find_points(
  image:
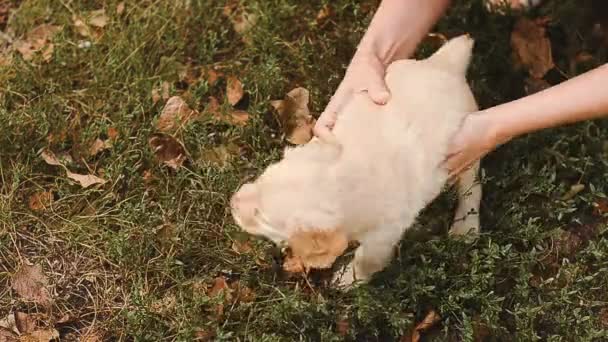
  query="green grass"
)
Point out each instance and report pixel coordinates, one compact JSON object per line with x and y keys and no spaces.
{"x":114,"y":252}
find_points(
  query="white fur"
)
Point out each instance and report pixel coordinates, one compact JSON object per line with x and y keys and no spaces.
{"x":387,"y":169}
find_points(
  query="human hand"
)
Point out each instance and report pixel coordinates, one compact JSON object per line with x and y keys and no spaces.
{"x":476,"y":138}
{"x":365,"y":73}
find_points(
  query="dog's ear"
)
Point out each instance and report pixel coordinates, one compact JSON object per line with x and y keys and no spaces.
{"x":318,"y":248}
{"x":246,"y":201}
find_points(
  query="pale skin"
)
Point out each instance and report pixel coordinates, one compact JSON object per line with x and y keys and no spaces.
{"x":578,"y":99}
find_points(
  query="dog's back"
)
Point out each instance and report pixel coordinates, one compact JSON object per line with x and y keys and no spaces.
{"x":396,"y":149}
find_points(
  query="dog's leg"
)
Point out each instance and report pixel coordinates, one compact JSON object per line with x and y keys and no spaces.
{"x":371,"y":256}
{"x":469,"y":196}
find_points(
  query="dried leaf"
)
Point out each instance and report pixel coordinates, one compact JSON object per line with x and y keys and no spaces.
{"x":343,"y":327}
{"x":85,"y":180}
{"x":211,"y":76}
{"x":120,"y":8}
{"x":234,"y":90}
{"x":155,"y":95}
{"x":604,"y":317}
{"x":574,"y":190}
{"x":24,"y":322}
{"x":168,"y":150}
{"x":244,"y":293}
{"x":40,"y":200}
{"x":38,"y":39}
{"x":239,"y":117}
{"x":531,"y":47}
{"x":45,"y":335}
{"x":91,"y":335}
{"x":600,"y":207}
{"x":30,"y":283}
{"x":241,"y":20}
{"x":241,"y":247}
{"x":8,"y":324}
{"x":112,"y":133}
{"x":219,"y":286}
{"x":50,"y":158}
{"x":429,"y":321}
{"x":7,"y":336}
{"x":164,"y":305}
{"x":295,"y":117}
{"x":324,"y":13}
{"x":98,"y":18}
{"x":99,"y":145}
{"x":204,"y":335}
{"x":175,"y":114}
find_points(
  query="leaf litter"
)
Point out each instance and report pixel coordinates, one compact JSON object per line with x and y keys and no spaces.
{"x":84,"y":180}
{"x":531,"y":47}
{"x":31,"y":283}
{"x":37,"y":40}
{"x":294,"y":116}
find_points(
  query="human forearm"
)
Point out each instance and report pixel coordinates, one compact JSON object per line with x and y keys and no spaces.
{"x":399,"y":25}
{"x":581,"y":98}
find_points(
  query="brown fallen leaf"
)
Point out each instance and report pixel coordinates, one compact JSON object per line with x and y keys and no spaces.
{"x":112,"y":133}
{"x":241,"y":247}
{"x":44,"y":335}
{"x":343,"y":327}
{"x":429,"y":321}
{"x":600,"y":207}
{"x":235,"y":117}
{"x":211,"y":76}
{"x":168,"y":150}
{"x":98,"y":18}
{"x":164,"y":305}
{"x":40,"y":200}
{"x":91,"y":335}
{"x":24,"y":322}
{"x":50,"y":158}
{"x":324,"y":13}
{"x":242,"y":21}
{"x":295,"y":117}
{"x":89,"y":24}
{"x":120,"y":8}
{"x":31,"y":284}
{"x":244,"y":293}
{"x":234,"y":90}
{"x":85,"y":180}
{"x":203,"y":335}
{"x":8,"y":336}
{"x":220,"y":285}
{"x":37,"y":40}
{"x":99,"y":145}
{"x":574,"y":190}
{"x":531,"y":47}
{"x":175,"y":114}
{"x":604,"y":316}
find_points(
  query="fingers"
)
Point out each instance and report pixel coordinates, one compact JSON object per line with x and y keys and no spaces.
{"x":378,"y":92}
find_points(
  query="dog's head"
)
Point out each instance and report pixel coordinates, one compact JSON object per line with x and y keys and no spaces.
{"x":290,"y":203}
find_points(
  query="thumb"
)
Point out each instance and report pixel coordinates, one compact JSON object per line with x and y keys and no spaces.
{"x":378,"y":91}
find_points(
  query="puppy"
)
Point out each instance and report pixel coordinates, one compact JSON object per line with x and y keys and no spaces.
{"x":369,"y":180}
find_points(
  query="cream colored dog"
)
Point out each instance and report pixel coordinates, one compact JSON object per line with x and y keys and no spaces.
{"x":369,"y":180}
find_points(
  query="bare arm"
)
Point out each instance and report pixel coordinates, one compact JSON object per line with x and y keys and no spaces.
{"x":581,"y":98}
{"x":584,"y":97}
{"x":396,"y":29}
{"x":399,"y":25}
